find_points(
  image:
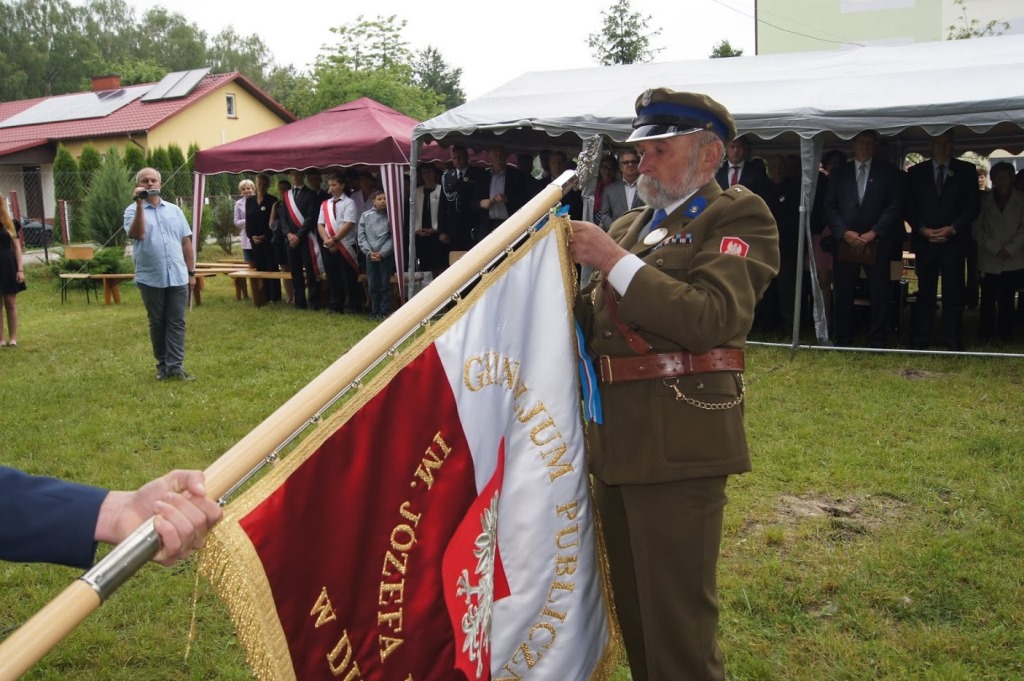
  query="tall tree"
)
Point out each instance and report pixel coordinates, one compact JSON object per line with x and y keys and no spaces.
{"x":180,"y":43}
{"x":103,"y":207}
{"x":67,"y":185}
{"x":46,"y":52}
{"x":724,"y":49}
{"x":372,"y":59}
{"x":67,"y":180}
{"x":431,"y":72}
{"x":292,"y":89}
{"x":370,"y":45}
{"x":161,"y":161}
{"x":88,"y":163}
{"x":624,"y":38}
{"x":967,"y":27}
{"x":134,"y":159}
{"x":248,"y":55}
{"x":336,"y":85}
{"x":180,"y":178}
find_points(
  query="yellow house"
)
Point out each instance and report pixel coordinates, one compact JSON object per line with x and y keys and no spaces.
{"x":185,"y":108}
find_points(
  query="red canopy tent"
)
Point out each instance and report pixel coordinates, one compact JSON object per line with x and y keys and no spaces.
{"x":361,"y":132}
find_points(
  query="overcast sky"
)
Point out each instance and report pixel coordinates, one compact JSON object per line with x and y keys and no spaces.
{"x":493,"y":42}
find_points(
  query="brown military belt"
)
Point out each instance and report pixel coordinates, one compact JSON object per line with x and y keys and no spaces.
{"x":667,"y":365}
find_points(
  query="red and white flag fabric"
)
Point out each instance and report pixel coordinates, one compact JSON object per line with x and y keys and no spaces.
{"x":440,"y":525}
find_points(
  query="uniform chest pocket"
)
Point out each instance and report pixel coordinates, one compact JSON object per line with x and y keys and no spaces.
{"x":671,"y":258}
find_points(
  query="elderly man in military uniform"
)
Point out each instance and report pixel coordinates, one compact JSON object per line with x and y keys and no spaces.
{"x":666,"y":319}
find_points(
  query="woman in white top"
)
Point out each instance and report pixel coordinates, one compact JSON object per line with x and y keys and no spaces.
{"x":246,"y":188}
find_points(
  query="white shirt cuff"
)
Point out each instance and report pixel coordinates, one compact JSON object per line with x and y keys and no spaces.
{"x":623,"y":272}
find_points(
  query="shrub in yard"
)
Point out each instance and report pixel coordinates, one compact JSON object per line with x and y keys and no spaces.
{"x":106,"y":199}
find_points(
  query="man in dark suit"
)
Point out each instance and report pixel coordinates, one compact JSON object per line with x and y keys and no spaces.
{"x":499,"y":194}
{"x":456,"y":216}
{"x":298,"y":216}
{"x":668,"y":316}
{"x":942,"y":201}
{"x":740,"y":169}
{"x":53,"y":521}
{"x":621,"y":196}
{"x":863,"y":205}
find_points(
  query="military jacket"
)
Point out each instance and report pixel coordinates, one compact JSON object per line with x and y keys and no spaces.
{"x":697,"y":292}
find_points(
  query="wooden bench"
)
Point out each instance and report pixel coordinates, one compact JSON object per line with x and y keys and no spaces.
{"x":77,"y":253}
{"x":112,"y":285}
{"x":256,"y":279}
{"x":83,"y":277}
{"x":241,"y":288}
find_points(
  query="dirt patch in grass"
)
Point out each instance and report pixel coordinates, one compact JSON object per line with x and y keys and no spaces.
{"x":844,"y":518}
{"x":918,"y":374}
{"x":848,"y":517}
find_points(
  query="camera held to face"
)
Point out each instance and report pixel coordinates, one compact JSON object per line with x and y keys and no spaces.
{"x":146,"y":193}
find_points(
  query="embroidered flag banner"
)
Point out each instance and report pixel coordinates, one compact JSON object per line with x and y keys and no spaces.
{"x":439,"y":526}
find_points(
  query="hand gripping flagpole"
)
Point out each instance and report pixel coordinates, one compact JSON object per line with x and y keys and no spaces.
{"x":59,"y":617}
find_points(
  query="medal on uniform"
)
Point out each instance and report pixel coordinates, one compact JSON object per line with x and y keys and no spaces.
{"x":655,"y":235}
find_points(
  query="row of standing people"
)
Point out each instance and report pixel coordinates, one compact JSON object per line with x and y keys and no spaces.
{"x":867,"y":212}
{"x":457,"y":210}
{"x":313,"y":233}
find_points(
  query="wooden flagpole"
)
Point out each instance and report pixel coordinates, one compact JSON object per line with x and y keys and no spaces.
{"x":59,"y":617}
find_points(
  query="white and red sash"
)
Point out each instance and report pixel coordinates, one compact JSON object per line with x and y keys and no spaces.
{"x":330,"y":219}
{"x":331,"y":226}
{"x":293,"y":210}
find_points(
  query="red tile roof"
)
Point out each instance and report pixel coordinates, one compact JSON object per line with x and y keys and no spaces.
{"x":137,"y":116}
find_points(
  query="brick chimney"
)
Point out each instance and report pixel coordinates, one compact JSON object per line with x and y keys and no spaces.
{"x":104,"y":83}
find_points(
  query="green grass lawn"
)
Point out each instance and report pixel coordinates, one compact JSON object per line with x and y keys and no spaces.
{"x":879,"y":535}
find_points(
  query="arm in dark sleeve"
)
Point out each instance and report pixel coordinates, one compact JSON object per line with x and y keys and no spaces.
{"x":971,"y":205}
{"x":893,"y":211}
{"x":832,"y":212}
{"x":47,"y":520}
{"x":310,"y":212}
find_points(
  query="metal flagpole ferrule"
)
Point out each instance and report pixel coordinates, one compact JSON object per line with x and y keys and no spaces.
{"x":123,"y":561}
{"x":566,"y":181}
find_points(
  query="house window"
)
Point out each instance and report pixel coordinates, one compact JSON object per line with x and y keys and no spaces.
{"x":232,"y":112}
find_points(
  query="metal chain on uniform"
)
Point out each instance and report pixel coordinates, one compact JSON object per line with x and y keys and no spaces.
{"x":700,"y":404}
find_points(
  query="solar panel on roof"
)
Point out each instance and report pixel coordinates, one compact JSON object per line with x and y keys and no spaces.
{"x":175,"y":85}
{"x":76,"y":107}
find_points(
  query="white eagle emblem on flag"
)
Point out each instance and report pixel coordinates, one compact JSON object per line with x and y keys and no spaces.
{"x":476,"y":622}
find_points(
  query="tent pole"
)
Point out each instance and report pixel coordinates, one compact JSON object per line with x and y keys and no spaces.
{"x":414,"y":156}
{"x":810,"y":152}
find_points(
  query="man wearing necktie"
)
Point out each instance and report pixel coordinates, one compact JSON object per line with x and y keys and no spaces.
{"x":456,"y":213}
{"x":862,"y":206}
{"x":298,"y":216}
{"x":666,"y":317}
{"x":336,"y":225}
{"x":739,"y":168}
{"x":942,"y":201}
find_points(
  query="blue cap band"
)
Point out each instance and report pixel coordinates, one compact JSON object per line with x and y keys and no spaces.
{"x":667,"y":113}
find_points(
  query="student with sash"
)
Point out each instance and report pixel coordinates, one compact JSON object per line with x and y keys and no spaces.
{"x":298,"y":218}
{"x":337,"y":227}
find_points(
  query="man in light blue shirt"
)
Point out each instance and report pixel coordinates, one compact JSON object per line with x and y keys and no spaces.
{"x":164,"y":270}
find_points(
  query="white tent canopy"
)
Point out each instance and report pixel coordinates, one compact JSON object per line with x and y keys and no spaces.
{"x":802,"y":100}
{"x":912,"y":90}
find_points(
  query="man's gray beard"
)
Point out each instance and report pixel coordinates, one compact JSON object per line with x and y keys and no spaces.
{"x":660,"y":195}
